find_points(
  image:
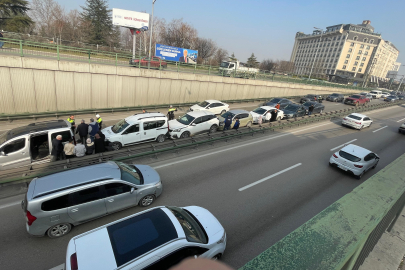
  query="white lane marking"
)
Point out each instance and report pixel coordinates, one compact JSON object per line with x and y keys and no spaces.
{"x":401,"y":120}
{"x":239,"y":146}
{"x":59,"y":267}
{"x":269,"y":177}
{"x":9,"y":205}
{"x":379,"y":129}
{"x":337,"y":147}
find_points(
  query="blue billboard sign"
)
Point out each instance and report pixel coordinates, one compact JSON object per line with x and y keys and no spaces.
{"x":176,"y":54}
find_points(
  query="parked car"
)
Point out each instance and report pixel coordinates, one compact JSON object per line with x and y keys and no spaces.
{"x":376,"y":93}
{"x":282,"y":101}
{"x":367,"y":95}
{"x":357,"y":121}
{"x":263,"y":110}
{"x":56,"y":202}
{"x":135,"y":129}
{"x":193,"y":123}
{"x":213,"y":106}
{"x":391,"y":98}
{"x":335,"y":97}
{"x":401,"y":97}
{"x":294,"y":110}
{"x":354,"y":159}
{"x":356,"y":100}
{"x":401,"y":129}
{"x":385,"y":94}
{"x":245,"y":118}
{"x":308,"y":98}
{"x":318,"y":108}
{"x":31,"y":144}
{"x":158,"y":238}
{"x":154,"y":62}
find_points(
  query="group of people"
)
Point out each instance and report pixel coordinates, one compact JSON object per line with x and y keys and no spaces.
{"x":228,"y":123}
{"x":92,"y":140}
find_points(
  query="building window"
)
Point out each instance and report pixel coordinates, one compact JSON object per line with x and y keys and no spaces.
{"x":355,"y":38}
{"x":333,"y":55}
{"x":328,"y":44}
{"x":358,"y":58}
{"x":356,"y":63}
{"x":334,"y":38}
{"x":368,"y":48}
{"x":354,"y":69}
{"x":372,"y":41}
{"x":346,"y":61}
{"x":360,"y":51}
{"x":364,"y":59}
{"x":341,"y":44}
{"x":362,"y":46}
{"x":366,"y":53}
{"x":362,"y":64}
{"x":348,"y":56}
{"x":344,"y":67}
{"x":350,"y":50}
{"x":352,"y":44}
{"x":359,"y":69}
{"x":365,"y":40}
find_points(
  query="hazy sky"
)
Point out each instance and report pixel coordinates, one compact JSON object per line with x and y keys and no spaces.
{"x":267,"y":28}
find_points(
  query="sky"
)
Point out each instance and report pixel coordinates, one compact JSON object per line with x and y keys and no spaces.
{"x":267,"y":28}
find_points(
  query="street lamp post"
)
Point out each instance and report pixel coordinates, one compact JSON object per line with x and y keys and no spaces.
{"x":316,"y":53}
{"x":151,"y":29}
{"x":400,"y":82}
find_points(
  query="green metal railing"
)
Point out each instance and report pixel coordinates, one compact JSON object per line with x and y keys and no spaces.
{"x":342,"y":235}
{"x":29,"y":48}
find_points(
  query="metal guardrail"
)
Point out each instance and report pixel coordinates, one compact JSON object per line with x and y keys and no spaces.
{"x":344,"y":234}
{"x":29,"y":48}
{"x":36,"y":170}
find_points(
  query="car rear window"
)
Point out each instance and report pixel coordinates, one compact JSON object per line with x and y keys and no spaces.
{"x":348,"y":156}
{"x":138,"y":235}
{"x":355,"y":117}
{"x":355,"y":96}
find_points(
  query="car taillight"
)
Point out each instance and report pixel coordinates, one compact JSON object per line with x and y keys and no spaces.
{"x":358,"y":123}
{"x":30,"y":218}
{"x":73,"y":262}
{"x":335,"y":156}
{"x":345,"y":118}
{"x":358,"y":166}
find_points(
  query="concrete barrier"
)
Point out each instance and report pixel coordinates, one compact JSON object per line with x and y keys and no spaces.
{"x":32,"y":85}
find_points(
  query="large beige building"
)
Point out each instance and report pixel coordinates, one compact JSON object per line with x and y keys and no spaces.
{"x":349,"y":50}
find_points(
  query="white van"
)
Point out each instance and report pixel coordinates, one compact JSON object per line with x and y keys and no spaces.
{"x":376,"y":93}
{"x":138,"y":128}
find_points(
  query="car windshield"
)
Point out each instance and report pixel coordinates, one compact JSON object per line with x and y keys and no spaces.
{"x":224,"y":65}
{"x":348,"y":156}
{"x":355,"y":96}
{"x":130,"y":173}
{"x":334,"y":95}
{"x":308,"y":103}
{"x":186,"y":119}
{"x":3,"y":137}
{"x":192,"y":228}
{"x":355,"y":117}
{"x":292,"y":107}
{"x":203,"y":104}
{"x":275,"y":100}
{"x":120,"y":126}
{"x":225,"y":115}
{"x":259,"y":111}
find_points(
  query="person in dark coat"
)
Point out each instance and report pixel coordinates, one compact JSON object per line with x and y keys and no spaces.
{"x":93,"y":129}
{"x":57,"y":148}
{"x":273,"y":115}
{"x":237,"y":124}
{"x":99,"y":144}
{"x":228,"y":123}
{"x":310,"y":109}
{"x":90,"y":147}
{"x":83,"y":131}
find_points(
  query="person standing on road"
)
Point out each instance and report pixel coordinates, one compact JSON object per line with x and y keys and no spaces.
{"x":237,"y":124}
{"x":57,"y":148}
{"x":228,"y":122}
{"x":268,"y":116}
{"x":69,"y":149}
{"x":71,"y":120}
{"x":80,"y":149}
{"x":273,"y":115}
{"x":99,"y":121}
{"x":1,"y":40}
{"x":310,"y":109}
{"x":171,"y":111}
{"x":99,"y":144}
{"x":83,"y":130}
{"x":93,"y":129}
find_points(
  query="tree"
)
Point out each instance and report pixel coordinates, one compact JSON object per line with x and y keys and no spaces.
{"x":206,"y":48}
{"x":233,"y":58}
{"x":267,"y":64}
{"x":14,"y":12}
{"x":252,"y":61}
{"x":220,"y":56}
{"x":97,"y":13}
{"x":178,"y":34}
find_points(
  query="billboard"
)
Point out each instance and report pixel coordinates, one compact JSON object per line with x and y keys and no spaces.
{"x":130,"y":19}
{"x":176,"y":54}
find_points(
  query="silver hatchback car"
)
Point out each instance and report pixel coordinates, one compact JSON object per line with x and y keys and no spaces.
{"x":55,"y":203}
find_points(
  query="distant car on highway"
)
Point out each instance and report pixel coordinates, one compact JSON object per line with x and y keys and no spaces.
{"x":385,"y":94}
{"x":157,"y":238}
{"x":193,"y":123}
{"x":401,"y":97}
{"x":245,"y":118}
{"x":401,"y":129}
{"x":154,"y":62}
{"x":309,"y":97}
{"x":263,"y":111}
{"x":55,"y":203}
{"x":213,"y":106}
{"x":357,"y":121}
{"x":282,"y":101}
{"x":335,"y":97}
{"x":376,"y":93}
{"x":355,"y":160}
{"x":391,"y":98}
{"x":356,"y":100}
{"x":294,"y":110}
{"x":318,"y":108}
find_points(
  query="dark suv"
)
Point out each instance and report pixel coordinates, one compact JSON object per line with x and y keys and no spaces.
{"x":335,"y":97}
{"x":273,"y":102}
{"x":294,"y":110}
{"x":309,"y":98}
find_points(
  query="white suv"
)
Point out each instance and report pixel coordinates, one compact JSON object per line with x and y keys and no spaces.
{"x":158,"y":238}
{"x":138,"y":128}
{"x":193,"y":123}
{"x":214,"y":106}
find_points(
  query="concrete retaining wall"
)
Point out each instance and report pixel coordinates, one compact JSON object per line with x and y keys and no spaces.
{"x":30,"y":85}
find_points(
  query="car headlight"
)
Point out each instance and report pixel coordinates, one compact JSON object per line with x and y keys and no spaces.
{"x":222,"y":239}
{"x":176,"y":130}
{"x":158,"y":185}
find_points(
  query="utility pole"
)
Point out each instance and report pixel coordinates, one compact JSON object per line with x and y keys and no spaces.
{"x":151,"y":29}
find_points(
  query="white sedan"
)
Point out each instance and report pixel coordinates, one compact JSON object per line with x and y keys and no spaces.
{"x":357,"y":121}
{"x":213,"y":106}
{"x":354,"y":159}
{"x":265,"y":112}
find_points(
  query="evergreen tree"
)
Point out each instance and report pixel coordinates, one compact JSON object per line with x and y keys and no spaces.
{"x":99,"y":15}
{"x":233,"y":58}
{"x":14,"y":13}
{"x":252,"y":61}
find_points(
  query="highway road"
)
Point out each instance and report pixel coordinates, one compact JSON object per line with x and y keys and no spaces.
{"x":260,"y":189}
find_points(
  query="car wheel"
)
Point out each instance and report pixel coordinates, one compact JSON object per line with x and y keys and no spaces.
{"x":185,"y":134}
{"x":116,"y":146}
{"x":59,"y":230}
{"x":222,"y":112}
{"x":249,"y":124}
{"x":147,"y":200}
{"x":213,"y":128}
{"x":358,"y":177}
{"x":161,"y":138}
{"x":375,"y":165}
{"x":217,"y":257}
{"x":361,"y":128}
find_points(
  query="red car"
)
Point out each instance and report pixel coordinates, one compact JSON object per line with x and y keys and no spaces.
{"x":356,"y":100}
{"x":156,"y":62}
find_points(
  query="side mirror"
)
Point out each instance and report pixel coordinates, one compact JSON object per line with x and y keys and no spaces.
{"x":132,"y":190}
{"x":2,"y":153}
{"x":193,"y":124}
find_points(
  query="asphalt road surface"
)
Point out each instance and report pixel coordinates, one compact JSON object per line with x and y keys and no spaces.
{"x":260,"y":190}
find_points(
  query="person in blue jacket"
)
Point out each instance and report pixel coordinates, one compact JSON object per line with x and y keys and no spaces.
{"x":93,"y":129}
{"x":228,"y":123}
{"x":237,"y":124}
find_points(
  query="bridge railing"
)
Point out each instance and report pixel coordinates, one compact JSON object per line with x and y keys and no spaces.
{"x":344,"y":234}
{"x":61,"y":52}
